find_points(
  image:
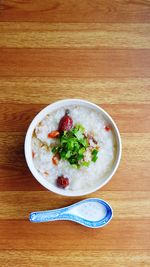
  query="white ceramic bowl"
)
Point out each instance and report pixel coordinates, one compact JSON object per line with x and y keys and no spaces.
{"x":28,"y":149}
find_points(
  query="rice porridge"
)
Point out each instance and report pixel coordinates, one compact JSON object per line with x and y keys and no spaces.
{"x":74,"y":147}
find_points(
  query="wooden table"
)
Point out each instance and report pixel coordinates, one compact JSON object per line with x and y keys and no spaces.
{"x":95,"y":50}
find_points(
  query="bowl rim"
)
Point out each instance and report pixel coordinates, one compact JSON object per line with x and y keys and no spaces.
{"x":28,"y":150}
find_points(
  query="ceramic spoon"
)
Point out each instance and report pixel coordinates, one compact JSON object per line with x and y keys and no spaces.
{"x":91,"y":212}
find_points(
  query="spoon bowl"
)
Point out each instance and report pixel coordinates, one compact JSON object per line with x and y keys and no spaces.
{"x":91,"y":212}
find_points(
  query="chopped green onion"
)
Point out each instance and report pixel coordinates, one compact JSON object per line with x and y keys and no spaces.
{"x":72,"y":146}
{"x":94,"y":155}
{"x":85,"y":163}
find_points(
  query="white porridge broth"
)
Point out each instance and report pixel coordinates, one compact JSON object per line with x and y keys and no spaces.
{"x":89,"y":169}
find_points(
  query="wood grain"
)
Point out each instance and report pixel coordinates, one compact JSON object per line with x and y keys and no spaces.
{"x":99,"y":51}
{"x":51,"y":236}
{"x":101,"y":91}
{"x":66,"y":62}
{"x":85,"y":35}
{"x":76,"y":11}
{"x":44,"y":258}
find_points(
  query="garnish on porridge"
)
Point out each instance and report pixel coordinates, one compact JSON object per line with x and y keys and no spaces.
{"x":62,"y":181}
{"x":107,"y":128}
{"x":53,"y":134}
{"x":33,"y":154}
{"x":73,"y":148}
{"x":66,"y":122}
{"x":74,"y":145}
{"x":56,"y":158}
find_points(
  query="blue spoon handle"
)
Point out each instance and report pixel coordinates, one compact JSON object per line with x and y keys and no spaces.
{"x":45,"y":216}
